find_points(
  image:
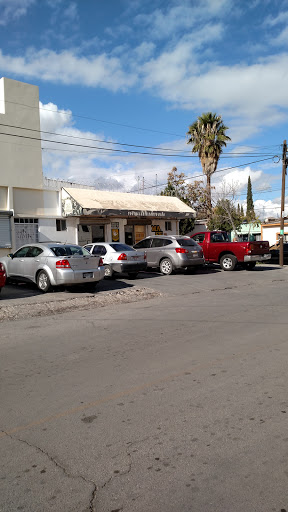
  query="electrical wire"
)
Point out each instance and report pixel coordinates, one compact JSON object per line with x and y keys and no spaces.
{"x":64,"y":112}
{"x":246,"y":154}
{"x":220,"y":170}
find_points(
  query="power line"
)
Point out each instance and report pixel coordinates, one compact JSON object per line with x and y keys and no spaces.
{"x":243,"y":154}
{"x":63,"y":112}
{"x":96,"y":147}
{"x":106,"y":149}
{"x":81,"y":116}
{"x":220,"y":170}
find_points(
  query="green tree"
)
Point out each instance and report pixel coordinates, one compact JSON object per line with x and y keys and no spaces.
{"x":176,"y":187}
{"x":197,"y":195}
{"x":208,"y":138}
{"x":225,"y":216}
{"x":250,"y":213}
{"x":175,"y":184}
{"x":251,"y":218}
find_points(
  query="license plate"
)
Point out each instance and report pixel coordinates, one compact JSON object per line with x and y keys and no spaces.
{"x":87,"y":274}
{"x":135,"y":257}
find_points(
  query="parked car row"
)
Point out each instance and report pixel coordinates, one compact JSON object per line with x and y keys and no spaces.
{"x":55,"y":264}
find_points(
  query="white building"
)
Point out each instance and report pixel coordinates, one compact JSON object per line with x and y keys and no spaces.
{"x":33,"y":208}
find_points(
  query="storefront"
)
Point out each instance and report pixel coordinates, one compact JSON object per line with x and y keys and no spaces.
{"x":122,"y":217}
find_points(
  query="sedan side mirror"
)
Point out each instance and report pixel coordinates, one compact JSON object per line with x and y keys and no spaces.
{"x":11,"y":255}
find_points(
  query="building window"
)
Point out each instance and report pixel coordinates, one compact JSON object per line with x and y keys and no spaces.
{"x":61,"y":225}
{"x":25,"y":221}
{"x":168,"y":225}
{"x":5,"y":231}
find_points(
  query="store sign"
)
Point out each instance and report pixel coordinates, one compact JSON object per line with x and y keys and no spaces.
{"x":155,"y":228}
{"x":115,"y":225}
{"x":139,"y":213}
{"x":115,"y":235}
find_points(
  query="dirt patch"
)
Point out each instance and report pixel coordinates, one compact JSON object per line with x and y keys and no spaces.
{"x":86,"y":301}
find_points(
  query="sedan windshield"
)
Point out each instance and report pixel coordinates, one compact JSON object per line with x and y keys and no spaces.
{"x":69,"y":250}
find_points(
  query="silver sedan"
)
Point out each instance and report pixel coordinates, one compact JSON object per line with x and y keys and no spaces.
{"x":119,"y":257}
{"x":54,"y":264}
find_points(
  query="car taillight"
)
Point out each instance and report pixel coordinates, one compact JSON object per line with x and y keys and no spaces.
{"x":181,"y":250}
{"x":2,"y":269}
{"x":62,"y":264}
{"x":248,"y":249}
{"x":145,"y":255}
{"x":201,"y":253}
{"x":101,"y":262}
{"x":122,"y":256}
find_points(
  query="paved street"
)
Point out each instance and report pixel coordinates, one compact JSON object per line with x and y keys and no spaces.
{"x":173,"y":404}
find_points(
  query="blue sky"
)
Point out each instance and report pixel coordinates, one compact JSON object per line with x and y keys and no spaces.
{"x":140,"y":72}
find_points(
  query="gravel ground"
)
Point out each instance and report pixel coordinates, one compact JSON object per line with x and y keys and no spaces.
{"x":51,"y":306}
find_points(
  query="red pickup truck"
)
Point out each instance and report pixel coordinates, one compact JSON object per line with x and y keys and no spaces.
{"x":217,"y":249}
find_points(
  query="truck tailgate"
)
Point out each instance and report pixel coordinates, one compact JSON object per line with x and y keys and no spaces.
{"x":258,"y":247}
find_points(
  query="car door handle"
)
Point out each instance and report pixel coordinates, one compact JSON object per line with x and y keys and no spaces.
{"x":37,"y":260}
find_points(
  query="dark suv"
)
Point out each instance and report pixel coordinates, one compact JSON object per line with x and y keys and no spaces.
{"x":171,"y":252}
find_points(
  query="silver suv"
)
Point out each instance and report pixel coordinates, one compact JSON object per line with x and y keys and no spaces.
{"x":171,"y":252}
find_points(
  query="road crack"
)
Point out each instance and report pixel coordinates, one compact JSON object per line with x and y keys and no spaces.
{"x":60,"y":466}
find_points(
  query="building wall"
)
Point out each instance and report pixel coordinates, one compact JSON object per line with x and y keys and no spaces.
{"x":3,"y":198}
{"x":158,"y":226}
{"x":271,"y":233}
{"x":36,"y":203}
{"x":48,"y":232}
{"x":21,"y":158}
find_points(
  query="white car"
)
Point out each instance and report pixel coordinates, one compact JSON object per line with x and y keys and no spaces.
{"x":119,"y":257}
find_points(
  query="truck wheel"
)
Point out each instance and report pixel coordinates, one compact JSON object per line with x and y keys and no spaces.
{"x":166,"y":267}
{"x":228,"y":262}
{"x":43,"y":281}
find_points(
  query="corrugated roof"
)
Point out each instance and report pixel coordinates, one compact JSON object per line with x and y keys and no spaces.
{"x":102,"y":199}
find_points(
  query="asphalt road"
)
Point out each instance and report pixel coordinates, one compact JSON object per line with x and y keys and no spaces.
{"x":174,"y":404}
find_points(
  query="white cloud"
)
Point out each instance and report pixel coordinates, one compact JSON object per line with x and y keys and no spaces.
{"x":281,"y":39}
{"x":163,"y":23}
{"x":281,"y":18}
{"x":12,"y":10}
{"x":68,"y":68}
{"x":71,"y":12}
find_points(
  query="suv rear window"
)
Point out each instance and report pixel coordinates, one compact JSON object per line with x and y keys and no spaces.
{"x":186,"y":242}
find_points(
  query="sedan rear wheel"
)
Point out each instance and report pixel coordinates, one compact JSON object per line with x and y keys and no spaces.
{"x":108,"y":271}
{"x":166,"y":267}
{"x":43,"y":281}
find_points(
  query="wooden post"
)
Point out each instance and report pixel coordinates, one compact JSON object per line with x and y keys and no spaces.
{"x":284,"y":167}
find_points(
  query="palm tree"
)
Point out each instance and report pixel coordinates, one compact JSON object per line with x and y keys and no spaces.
{"x":208,"y":137}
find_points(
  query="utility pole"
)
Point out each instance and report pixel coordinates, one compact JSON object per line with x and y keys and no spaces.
{"x":284,"y":172}
{"x":143,"y":186}
{"x":156,"y":186}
